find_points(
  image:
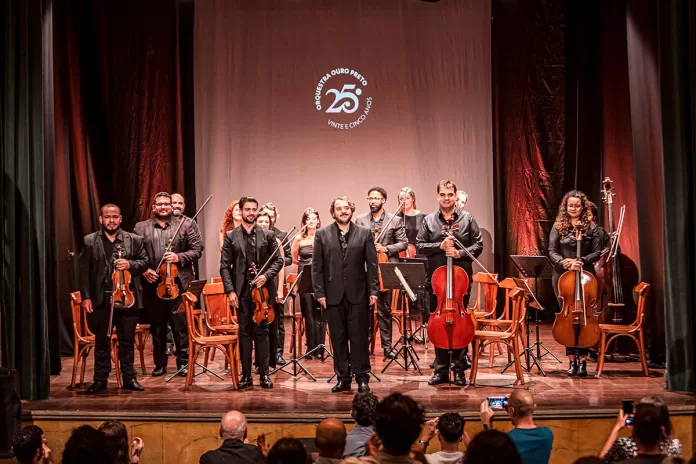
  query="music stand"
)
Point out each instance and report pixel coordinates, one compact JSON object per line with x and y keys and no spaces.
{"x":414,"y":276}
{"x":423,"y":328}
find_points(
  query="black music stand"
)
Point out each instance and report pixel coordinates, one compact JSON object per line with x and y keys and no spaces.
{"x":423,"y":328}
{"x":414,"y":277}
{"x":306,"y":286}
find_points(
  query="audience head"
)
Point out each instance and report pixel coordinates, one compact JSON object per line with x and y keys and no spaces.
{"x":520,"y":405}
{"x":330,"y":438}
{"x":450,"y":427}
{"x":664,"y":412}
{"x":288,"y":451}
{"x":647,"y":426}
{"x":233,"y":426}
{"x":86,"y":444}
{"x":27,"y":444}
{"x":116,"y":437}
{"x":492,"y":447}
{"x":398,"y":423}
{"x":589,"y":460}
{"x":364,"y":408}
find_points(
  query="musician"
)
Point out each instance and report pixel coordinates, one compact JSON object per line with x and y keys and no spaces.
{"x":186,"y":249}
{"x":462,"y":198}
{"x":98,"y":260}
{"x":302,"y":250}
{"x":574,"y":213}
{"x":431,"y":243}
{"x":278,"y":346}
{"x":392,"y":241}
{"x":231,"y":220}
{"x":264,"y":220}
{"x":594,"y":217}
{"x":247,"y":245}
{"x":345,"y":281}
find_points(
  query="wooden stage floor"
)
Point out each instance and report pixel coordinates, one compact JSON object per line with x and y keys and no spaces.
{"x":300,"y":399}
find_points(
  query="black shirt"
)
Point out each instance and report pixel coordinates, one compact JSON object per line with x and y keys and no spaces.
{"x":111,"y":256}
{"x":250,"y":247}
{"x":343,"y":239}
{"x":376,"y":224}
{"x":562,"y":247}
{"x":161,"y":237}
{"x":412,"y":226}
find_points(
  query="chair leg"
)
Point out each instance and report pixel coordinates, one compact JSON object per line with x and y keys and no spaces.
{"x":117,"y":365}
{"x":491,"y":353}
{"x":518,"y":361}
{"x":191,"y":367}
{"x":76,"y":362}
{"x":206,"y":357}
{"x":475,"y":346}
{"x":141,"y":350}
{"x":233,"y":371}
{"x":602,"y":350}
{"x":641,"y":349}
{"x":85,"y":354}
{"x":212,"y":355}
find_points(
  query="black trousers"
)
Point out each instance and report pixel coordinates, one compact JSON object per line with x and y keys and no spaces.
{"x":315,"y":331}
{"x":459,"y":357}
{"x":161,"y":314}
{"x":125,"y":321}
{"x":253,"y":337}
{"x":384,"y":321}
{"x":348,"y":324}
{"x":569,"y":351}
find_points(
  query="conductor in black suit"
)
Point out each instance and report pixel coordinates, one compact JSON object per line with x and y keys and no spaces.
{"x":346,"y":285}
{"x":246,"y":245}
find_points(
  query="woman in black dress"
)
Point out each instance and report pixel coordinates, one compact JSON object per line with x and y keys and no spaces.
{"x":574,"y":214}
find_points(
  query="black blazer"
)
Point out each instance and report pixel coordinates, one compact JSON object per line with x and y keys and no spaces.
{"x":393,"y":238}
{"x":233,"y":259}
{"x":94,"y":266}
{"x":355,"y":276}
{"x":233,"y":451}
{"x":188,"y":246}
{"x":562,"y":247}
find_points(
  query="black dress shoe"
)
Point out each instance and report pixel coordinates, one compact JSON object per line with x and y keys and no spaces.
{"x":438,"y":379}
{"x":341,"y":386}
{"x":246,"y":382}
{"x":280,"y":361}
{"x":132,"y":384}
{"x":432,"y":365}
{"x":159,"y":371}
{"x":573,"y":369}
{"x":182,"y":371}
{"x":390,"y":355}
{"x":582,"y":369}
{"x":97,"y":386}
{"x":266,"y":382}
{"x":363,"y":387}
{"x":459,"y":379}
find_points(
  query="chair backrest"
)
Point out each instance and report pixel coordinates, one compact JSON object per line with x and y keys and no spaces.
{"x":486,"y":293}
{"x":642,"y":290}
{"x":509,"y":285}
{"x":80,"y":327}
{"x":217,"y":305}
{"x":519,"y":308}
{"x":189,"y":300}
{"x":215,"y":280}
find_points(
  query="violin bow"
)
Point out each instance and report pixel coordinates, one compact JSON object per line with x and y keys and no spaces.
{"x":263,"y":268}
{"x":384,"y":229}
{"x":181,"y":223}
{"x":448,"y":234}
{"x":613,"y":251}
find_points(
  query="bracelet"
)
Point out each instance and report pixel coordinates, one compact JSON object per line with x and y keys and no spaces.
{"x":423,"y":442}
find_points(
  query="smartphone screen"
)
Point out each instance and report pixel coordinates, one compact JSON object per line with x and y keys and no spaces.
{"x":627,"y":406}
{"x":497,"y":402}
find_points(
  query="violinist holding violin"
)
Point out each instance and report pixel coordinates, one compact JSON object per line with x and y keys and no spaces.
{"x":390,"y":240}
{"x":163,"y":287}
{"x":433,"y":243}
{"x":250,"y":261}
{"x":105,"y":252}
{"x":574,"y":215}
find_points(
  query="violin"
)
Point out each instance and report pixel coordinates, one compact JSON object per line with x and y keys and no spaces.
{"x":263,"y":311}
{"x":167,"y":289}
{"x":451,"y":326}
{"x":577,"y":325}
{"x":122,"y":294}
{"x":409,"y":252}
{"x":381,"y":257}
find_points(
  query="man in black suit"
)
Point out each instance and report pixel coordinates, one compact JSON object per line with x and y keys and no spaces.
{"x":186,"y":250}
{"x":392,"y":241}
{"x":108,"y":250}
{"x":233,"y":430}
{"x":344,"y":275}
{"x":247,"y":245}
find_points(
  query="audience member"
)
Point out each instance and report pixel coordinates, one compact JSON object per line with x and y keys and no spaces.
{"x":288,"y":451}
{"x":117,"y":442}
{"x":533,"y":443}
{"x":330,"y":439}
{"x":492,"y":447}
{"x":86,"y":445}
{"x":625,"y":447}
{"x":647,"y":432}
{"x":233,"y":430}
{"x":363,"y":411}
{"x":589,"y":460}
{"x":29,"y":446}
{"x":398,"y":424}
{"x":449,"y":429}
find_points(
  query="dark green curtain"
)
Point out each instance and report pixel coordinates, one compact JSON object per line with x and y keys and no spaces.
{"x":677,"y":34}
{"x":24,"y":250}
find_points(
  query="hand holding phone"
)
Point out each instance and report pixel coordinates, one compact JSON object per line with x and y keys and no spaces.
{"x":497,"y":402}
{"x":627,"y":407}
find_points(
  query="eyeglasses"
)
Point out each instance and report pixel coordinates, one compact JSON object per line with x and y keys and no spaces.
{"x":374,"y":198}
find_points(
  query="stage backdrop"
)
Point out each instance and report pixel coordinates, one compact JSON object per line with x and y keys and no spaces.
{"x":299,"y":101}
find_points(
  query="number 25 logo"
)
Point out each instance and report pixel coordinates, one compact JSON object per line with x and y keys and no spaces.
{"x":350,"y":99}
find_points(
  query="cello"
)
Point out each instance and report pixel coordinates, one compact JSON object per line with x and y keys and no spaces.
{"x":577,"y":325}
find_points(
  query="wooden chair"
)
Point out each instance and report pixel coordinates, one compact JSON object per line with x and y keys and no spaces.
{"x":228,"y":344}
{"x":504,"y":320}
{"x":486,"y":295}
{"x":142,"y":332}
{"x":510,"y":337}
{"x":84,"y":341}
{"x":614,"y":331}
{"x":398,"y":312}
{"x":219,"y":318}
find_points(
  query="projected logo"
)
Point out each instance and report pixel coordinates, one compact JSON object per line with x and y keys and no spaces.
{"x":343,"y":96}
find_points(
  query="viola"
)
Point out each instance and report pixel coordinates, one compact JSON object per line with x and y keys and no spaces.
{"x":577,"y":325}
{"x":451,"y":326}
{"x":263,"y":311}
{"x":122,"y":293}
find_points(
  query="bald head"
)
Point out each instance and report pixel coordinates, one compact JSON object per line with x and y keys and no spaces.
{"x":331,"y":438}
{"x":523,"y":403}
{"x":233,"y":425}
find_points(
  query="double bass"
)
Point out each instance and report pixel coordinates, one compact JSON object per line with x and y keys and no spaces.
{"x":577,"y":325}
